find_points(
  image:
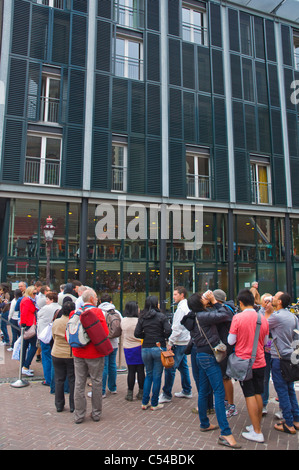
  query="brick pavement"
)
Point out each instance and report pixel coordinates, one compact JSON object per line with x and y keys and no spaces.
{"x":29,"y":421}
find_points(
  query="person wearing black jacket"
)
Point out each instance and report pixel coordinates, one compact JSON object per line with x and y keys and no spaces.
{"x":152,"y":327}
{"x":202,"y":324}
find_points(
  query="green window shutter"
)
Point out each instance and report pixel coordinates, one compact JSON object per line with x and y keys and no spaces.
{"x":204,"y":72}
{"x":205,"y":122}
{"x":153,"y":110}
{"x":153,"y":57}
{"x":73,"y":158}
{"x":13,"y":153}
{"x":102,"y":95}
{"x":20,"y":35}
{"x":136,"y":165}
{"x":120,"y":105}
{"x":174,"y":62}
{"x":154,"y":174}
{"x":233,"y":21}
{"x":104,"y":8}
{"x":286,"y":45}
{"x":238,"y":125}
{"x":270,"y":40}
{"x":188,"y":65}
{"x":294,"y":167}
{"x":220,"y":122}
{"x":177,"y":169}
{"x":61,"y":37}
{"x":34,"y":83}
{"x":259,"y":37}
{"x":250,"y":123}
{"x":215,"y":25}
{"x":76,"y":97}
{"x":273,"y":85}
{"x":221,"y":174}
{"x":39,"y":47}
{"x":153,"y":15}
{"x":242,"y":177}
{"x":137,"y":107}
{"x":80,"y":5}
{"x":261,"y":83}
{"x":218,"y":81}
{"x":175,"y":113}
{"x":189,"y":117}
{"x":101,"y":161}
{"x":235,"y":65}
{"x":17,"y":87}
{"x":103,"y":54}
{"x":174,"y":17}
{"x":293,"y":135}
{"x":264,"y":130}
{"x":279,"y":185}
{"x":288,"y":79}
{"x":277,"y":141}
{"x":78,"y":48}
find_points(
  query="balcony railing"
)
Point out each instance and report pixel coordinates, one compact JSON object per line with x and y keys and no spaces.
{"x":260,"y":193}
{"x":198,"y":186}
{"x":52,"y":3}
{"x":118,"y":179}
{"x":128,"y":67}
{"x":42,"y":172}
{"x":196,"y":34}
{"x":129,"y":17}
{"x":49,"y":109}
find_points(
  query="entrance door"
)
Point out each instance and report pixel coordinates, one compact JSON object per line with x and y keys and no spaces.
{"x":205,"y":280}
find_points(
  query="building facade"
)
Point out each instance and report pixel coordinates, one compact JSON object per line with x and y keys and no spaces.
{"x":161,"y":103}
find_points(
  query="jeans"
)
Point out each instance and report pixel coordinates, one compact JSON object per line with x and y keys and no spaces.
{"x":4,"y":320}
{"x":265,"y":394}
{"x":180,"y":363}
{"x":286,"y":394}
{"x":153,"y":372}
{"x":210,"y":375}
{"x":15,"y":329}
{"x":46,"y":361}
{"x":29,"y":350}
{"x":110,"y":372}
{"x":195,"y":373}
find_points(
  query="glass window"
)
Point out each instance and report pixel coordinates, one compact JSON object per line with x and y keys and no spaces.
{"x":129,"y":58}
{"x":50,"y":99}
{"x":245,"y":236}
{"x":264,"y":235}
{"x":43,"y":160}
{"x":198,"y":175}
{"x":119,"y":167}
{"x":57,"y":211}
{"x":23,"y":228}
{"x":296,"y":49}
{"x":246,"y":35}
{"x":260,"y":183}
{"x":129,"y":13}
{"x":193,"y":26}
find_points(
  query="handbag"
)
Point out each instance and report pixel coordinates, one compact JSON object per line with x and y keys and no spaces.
{"x":289,"y":369}
{"x":219,"y":351}
{"x":28,"y":334}
{"x":167,"y":357}
{"x":46,"y":334}
{"x":241,"y":369}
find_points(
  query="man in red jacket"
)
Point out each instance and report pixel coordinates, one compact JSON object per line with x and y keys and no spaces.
{"x":88,"y":360}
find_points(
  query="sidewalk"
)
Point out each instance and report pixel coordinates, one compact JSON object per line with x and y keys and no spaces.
{"x":29,"y":421}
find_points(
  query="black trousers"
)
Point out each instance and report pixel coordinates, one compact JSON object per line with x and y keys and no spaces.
{"x":64,"y":368}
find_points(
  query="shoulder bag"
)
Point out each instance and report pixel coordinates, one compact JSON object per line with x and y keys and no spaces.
{"x":289,"y":368}
{"x":167,"y":357}
{"x":241,"y":369}
{"x":219,"y":351}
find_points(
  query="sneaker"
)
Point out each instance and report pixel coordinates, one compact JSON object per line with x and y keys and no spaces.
{"x":27,"y":372}
{"x":164,"y":399}
{"x":89,"y":394}
{"x":265,"y":411}
{"x":183,"y":395}
{"x":278,"y":415}
{"x":231,"y":411}
{"x":9,"y":349}
{"x":145,"y":407}
{"x":253,"y":436}
{"x":158,"y":407}
{"x":114,"y":392}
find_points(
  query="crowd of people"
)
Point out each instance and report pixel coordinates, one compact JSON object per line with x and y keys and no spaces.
{"x":202,"y":325}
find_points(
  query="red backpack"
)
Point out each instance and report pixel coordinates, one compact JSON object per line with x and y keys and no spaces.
{"x":95,"y":331}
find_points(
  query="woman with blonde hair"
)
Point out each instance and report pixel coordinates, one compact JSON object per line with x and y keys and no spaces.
{"x":28,"y":311}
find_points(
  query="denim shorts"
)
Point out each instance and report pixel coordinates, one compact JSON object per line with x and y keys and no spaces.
{"x":254,"y":386}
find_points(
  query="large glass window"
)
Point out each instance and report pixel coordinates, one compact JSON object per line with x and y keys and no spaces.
{"x":50,"y":99}
{"x":119,"y":167}
{"x":128,"y":58}
{"x":260,"y":182}
{"x":296,"y":49}
{"x":198,"y":174}
{"x":43,"y":156}
{"x":193,"y":25}
{"x":129,"y":13}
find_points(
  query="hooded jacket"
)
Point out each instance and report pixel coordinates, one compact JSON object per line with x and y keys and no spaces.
{"x":153,"y":327}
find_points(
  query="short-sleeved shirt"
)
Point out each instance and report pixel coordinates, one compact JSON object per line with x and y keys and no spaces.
{"x":243,"y":326}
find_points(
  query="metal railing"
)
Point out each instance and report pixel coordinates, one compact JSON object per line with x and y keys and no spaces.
{"x":33,"y":174}
{"x":118,"y":179}
{"x":198,"y":186}
{"x":128,"y":67}
{"x":129,"y":17}
{"x":49,"y":109}
{"x":196,"y":34}
{"x":260,"y":193}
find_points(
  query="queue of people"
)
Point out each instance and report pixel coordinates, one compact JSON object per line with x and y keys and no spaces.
{"x":200,"y":324}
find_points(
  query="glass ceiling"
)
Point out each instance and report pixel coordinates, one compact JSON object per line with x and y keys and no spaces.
{"x":285,"y":9}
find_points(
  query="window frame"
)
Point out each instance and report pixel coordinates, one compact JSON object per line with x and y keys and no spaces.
{"x":255,"y":184}
{"x":197,"y":154}
{"x":192,"y":27}
{"x":126,"y":58}
{"x":119,"y":141}
{"x":296,"y":49}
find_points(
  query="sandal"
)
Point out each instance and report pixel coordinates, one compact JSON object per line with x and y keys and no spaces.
{"x":212,"y":427}
{"x":282,"y":427}
{"x":224,"y":442}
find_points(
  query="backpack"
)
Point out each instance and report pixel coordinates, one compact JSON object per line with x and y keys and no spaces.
{"x":76,"y":335}
{"x":96,"y":332}
{"x":113,"y":321}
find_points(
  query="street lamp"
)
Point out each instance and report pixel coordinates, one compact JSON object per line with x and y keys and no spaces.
{"x":49,"y":231}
